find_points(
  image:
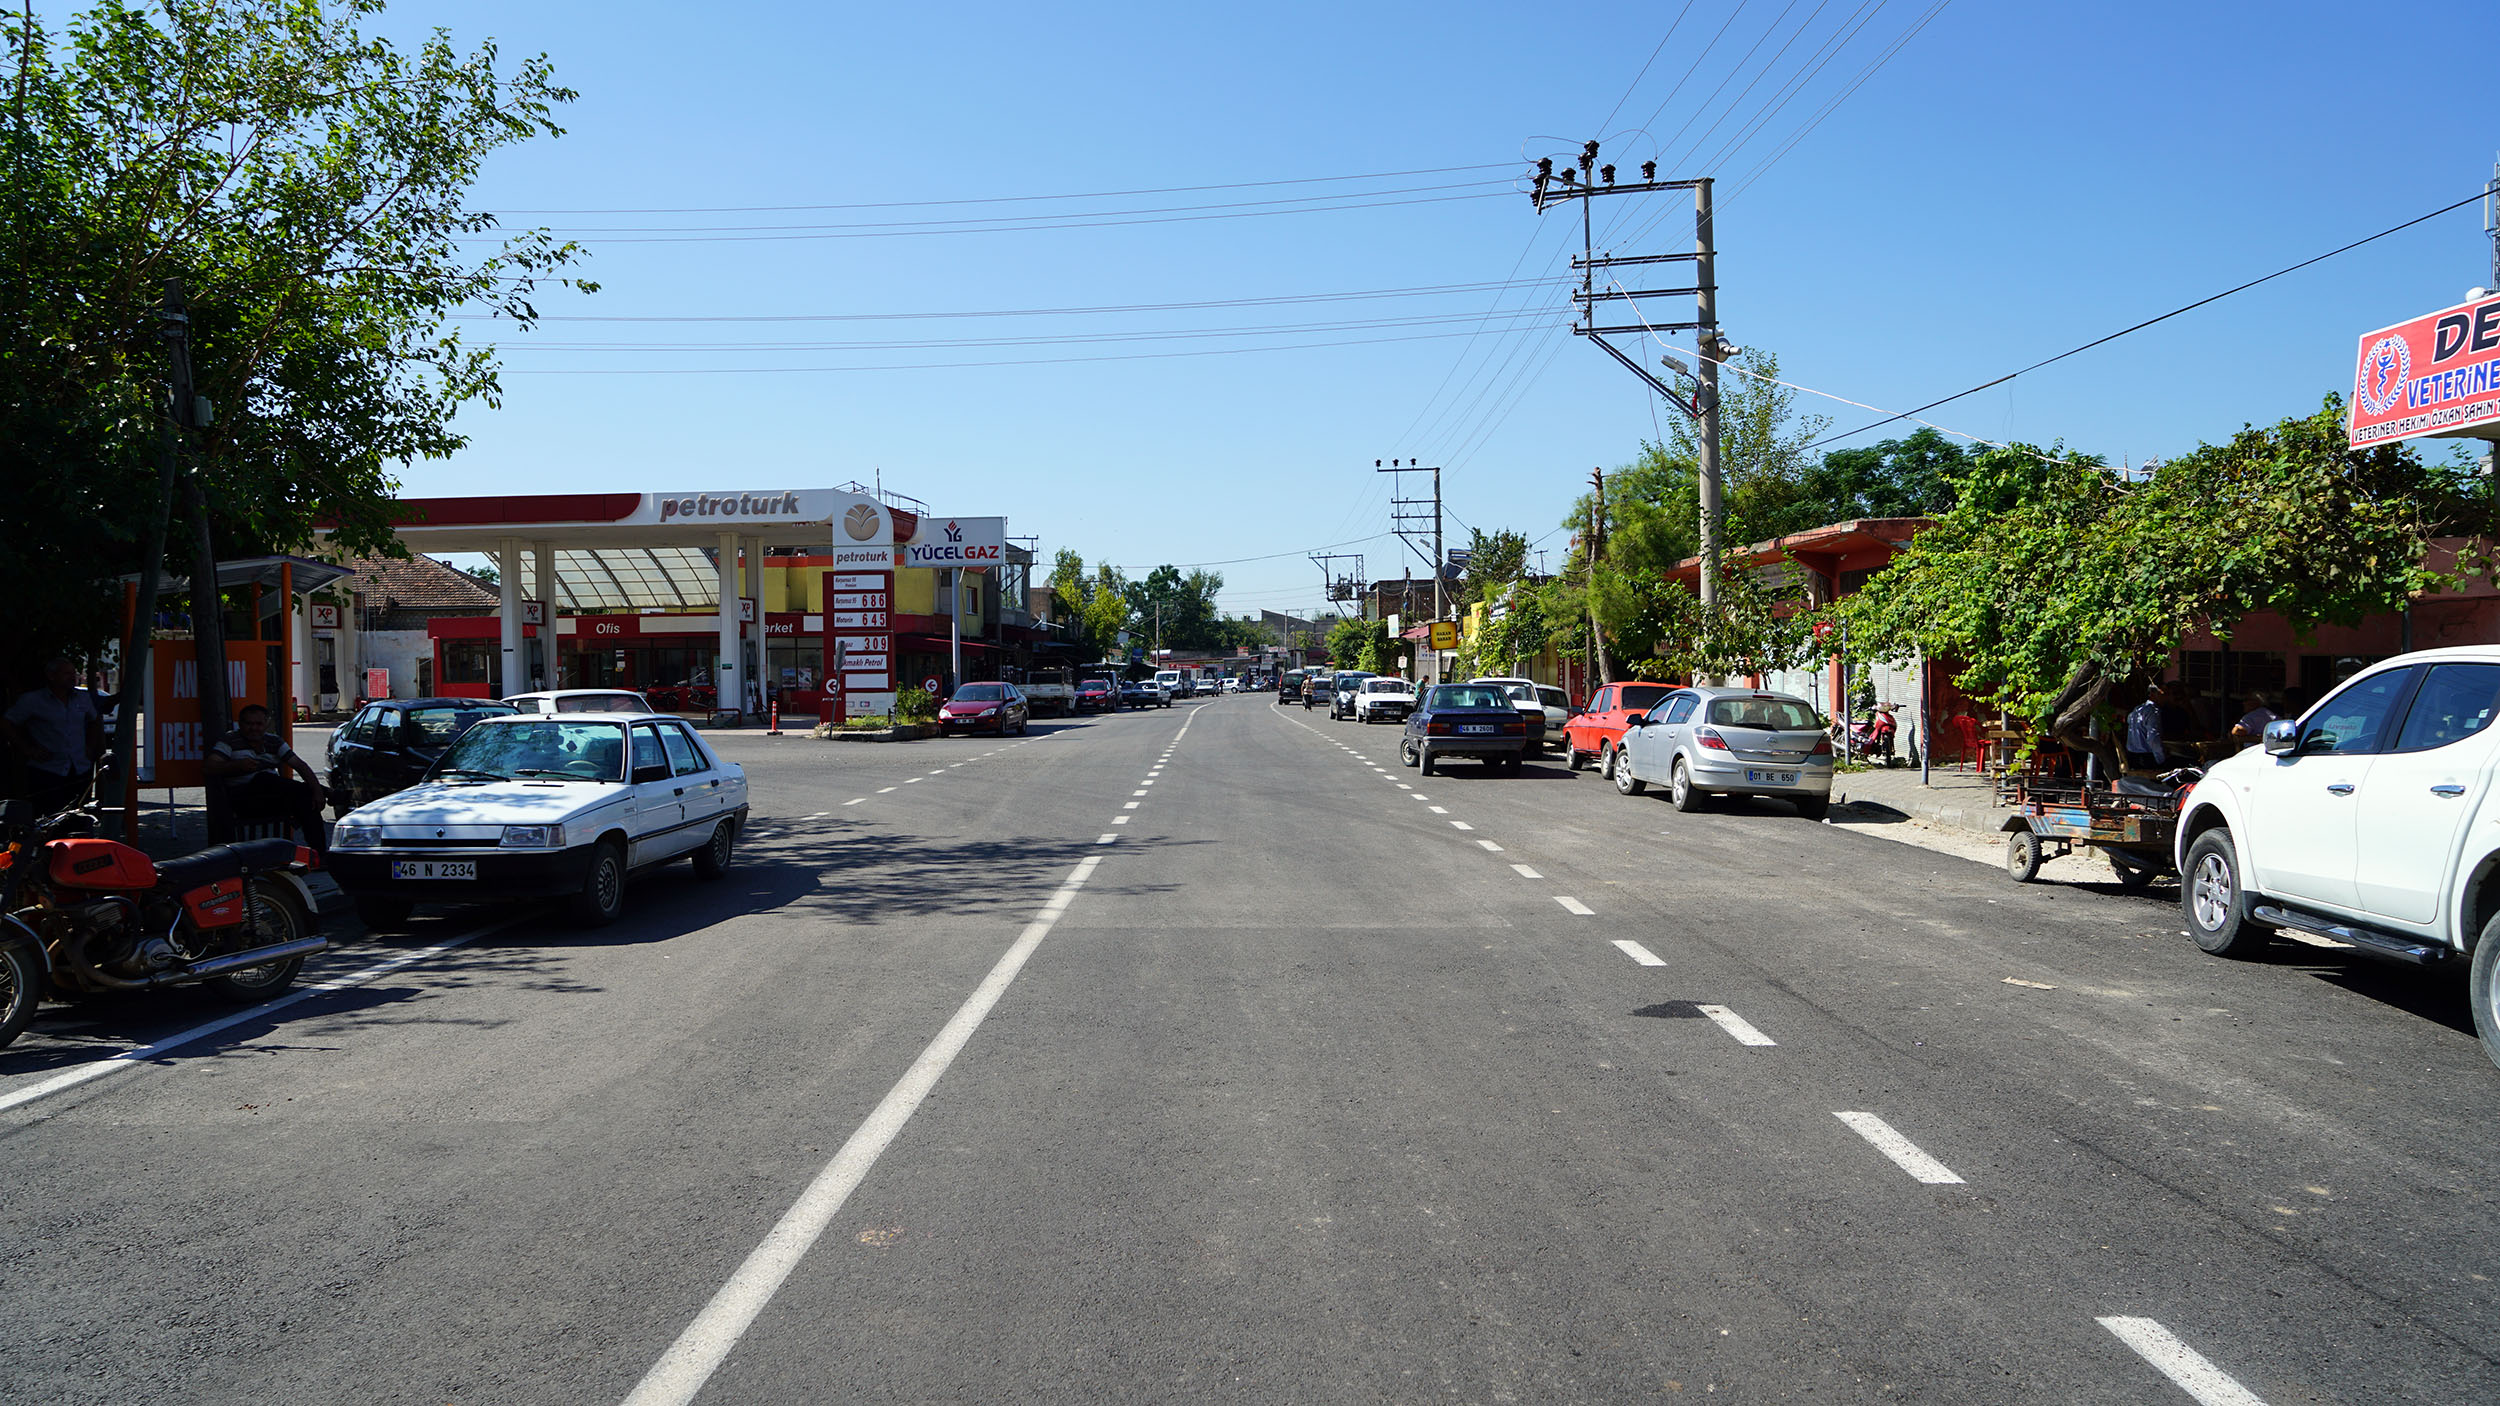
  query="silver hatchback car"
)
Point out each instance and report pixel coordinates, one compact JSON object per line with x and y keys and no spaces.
{"x":1702,"y":742}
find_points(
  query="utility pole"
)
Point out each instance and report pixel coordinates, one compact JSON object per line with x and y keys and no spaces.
{"x":1406,"y":519}
{"x":1598,"y":663}
{"x":2491,"y":223}
{"x":174,"y":326}
{"x":1551,"y":186}
{"x":208,"y":607}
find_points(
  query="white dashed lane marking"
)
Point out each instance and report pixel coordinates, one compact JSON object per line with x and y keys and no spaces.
{"x":2186,"y":1368}
{"x":855,"y":800}
{"x":1640,"y":954}
{"x":1735,"y":1025}
{"x":883,"y":789}
{"x":1575,"y":907}
{"x":1438,"y":810}
{"x":1901,"y":1150}
{"x":1490,"y":846}
{"x":1523,"y":871}
{"x":1463,"y":825}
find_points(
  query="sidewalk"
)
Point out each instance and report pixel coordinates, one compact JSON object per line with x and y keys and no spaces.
{"x":1957,"y":798}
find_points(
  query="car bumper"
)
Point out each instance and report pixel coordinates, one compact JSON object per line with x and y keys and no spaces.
{"x":1511,"y":746}
{"x":995,"y":722}
{"x":1750,"y":778}
{"x":500,"y":874}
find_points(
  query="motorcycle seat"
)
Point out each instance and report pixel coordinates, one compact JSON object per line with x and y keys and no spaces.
{"x":224,"y":862}
{"x":2141,"y":786}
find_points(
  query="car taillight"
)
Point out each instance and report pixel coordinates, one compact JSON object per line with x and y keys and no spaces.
{"x":1514,"y":724}
{"x":1709,"y":738}
{"x":1822,"y":747}
{"x":1437,"y":728}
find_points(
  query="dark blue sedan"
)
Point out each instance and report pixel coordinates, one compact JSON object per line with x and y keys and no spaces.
{"x":1465,"y":720}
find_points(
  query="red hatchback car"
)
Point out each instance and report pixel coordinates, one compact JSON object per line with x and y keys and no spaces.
{"x":1593,"y":735}
{"x":985,"y":707}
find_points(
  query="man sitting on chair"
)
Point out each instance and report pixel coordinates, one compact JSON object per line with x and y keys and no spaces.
{"x":251,"y":762}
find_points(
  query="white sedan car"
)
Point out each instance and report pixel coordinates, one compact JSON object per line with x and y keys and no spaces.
{"x":543,"y":806}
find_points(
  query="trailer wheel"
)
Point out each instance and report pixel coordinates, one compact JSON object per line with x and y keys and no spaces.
{"x":2022,"y":856}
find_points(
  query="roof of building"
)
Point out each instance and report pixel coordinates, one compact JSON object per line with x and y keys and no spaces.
{"x":417,"y":583}
{"x":1832,"y":540}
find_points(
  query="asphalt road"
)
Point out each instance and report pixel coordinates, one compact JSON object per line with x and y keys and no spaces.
{"x":1209,"y":1053}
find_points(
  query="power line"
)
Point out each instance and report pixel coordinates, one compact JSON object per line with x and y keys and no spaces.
{"x":1834,"y":105}
{"x":1286,"y":329}
{"x":1644,"y":73}
{"x":964,"y":365}
{"x":1424,"y":290}
{"x":2150,"y":321}
{"x":1014,"y":199}
{"x":1011,"y":221}
{"x":1071,"y":223}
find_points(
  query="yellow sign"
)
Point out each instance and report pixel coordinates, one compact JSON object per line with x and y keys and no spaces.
{"x":1445,"y":634}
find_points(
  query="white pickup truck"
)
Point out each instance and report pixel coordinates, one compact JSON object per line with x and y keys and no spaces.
{"x":2372,"y":821}
{"x":1050,"y":693}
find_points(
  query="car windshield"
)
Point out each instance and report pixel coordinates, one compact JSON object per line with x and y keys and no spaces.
{"x":1552,"y":697}
{"x":1521,"y":692}
{"x":1098,"y":683}
{"x":600,"y":703}
{"x":437,"y":727}
{"x":980,"y":693}
{"x":1767,"y":714}
{"x":589,"y":751}
{"x":1640,"y":698}
{"x":1385,"y":686}
{"x":1467,"y":695}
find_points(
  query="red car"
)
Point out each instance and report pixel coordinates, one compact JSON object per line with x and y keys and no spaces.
{"x":1593,"y":734}
{"x":984,"y":707}
{"x":1096,"y":696}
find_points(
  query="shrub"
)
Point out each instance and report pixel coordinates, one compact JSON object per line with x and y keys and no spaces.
{"x":915,"y":705}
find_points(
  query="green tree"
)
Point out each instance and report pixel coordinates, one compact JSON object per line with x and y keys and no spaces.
{"x":1494,"y":560}
{"x":309,"y":185}
{"x":2054,"y":581}
{"x":1095,"y":605}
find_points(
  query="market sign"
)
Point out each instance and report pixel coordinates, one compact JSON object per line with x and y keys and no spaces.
{"x":1444,"y":634}
{"x":2438,"y":375}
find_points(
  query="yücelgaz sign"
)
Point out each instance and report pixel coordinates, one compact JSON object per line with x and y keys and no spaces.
{"x":2437,"y":375}
{"x":958,"y":541}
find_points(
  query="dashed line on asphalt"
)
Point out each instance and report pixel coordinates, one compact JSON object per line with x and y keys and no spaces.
{"x":1437,"y":810}
{"x":1575,"y":907}
{"x":855,"y":800}
{"x":1463,"y":825}
{"x":707,"y":1342}
{"x":1904,"y":1153}
{"x":1105,"y":839}
{"x":883,"y":789}
{"x":1122,"y":819}
{"x":1639,"y":954}
{"x":1131,"y":805}
{"x":1523,"y":871}
{"x":2186,"y":1368}
{"x":1490,"y":846}
{"x":1735,"y":1025}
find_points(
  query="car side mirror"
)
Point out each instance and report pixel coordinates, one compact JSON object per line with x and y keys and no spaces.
{"x":650,"y":773}
{"x":2282,"y":737}
{"x":1637,"y":720}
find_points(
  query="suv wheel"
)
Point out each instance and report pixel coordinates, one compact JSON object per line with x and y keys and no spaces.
{"x":2486,"y":988}
{"x":2215,"y":902}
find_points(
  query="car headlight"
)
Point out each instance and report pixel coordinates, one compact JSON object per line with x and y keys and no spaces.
{"x":355,"y":837}
{"x":533,"y":837}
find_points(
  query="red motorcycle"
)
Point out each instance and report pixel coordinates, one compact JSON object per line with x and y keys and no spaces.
{"x":81,"y":915}
{"x":1870,"y":740}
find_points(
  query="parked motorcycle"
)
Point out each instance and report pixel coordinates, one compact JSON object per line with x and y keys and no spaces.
{"x":81,"y":915}
{"x":1869,"y":739}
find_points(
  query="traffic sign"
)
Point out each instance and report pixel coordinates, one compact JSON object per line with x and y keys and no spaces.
{"x":929,"y":684}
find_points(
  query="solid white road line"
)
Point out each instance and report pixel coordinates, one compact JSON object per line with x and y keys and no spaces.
{"x":705,"y":1344}
{"x":1901,"y":1150}
{"x":1640,"y":954}
{"x":1735,"y":1025}
{"x":1489,"y":845}
{"x":1575,"y":907}
{"x":2183,"y":1365}
{"x":78,"y":1074}
{"x":1523,"y":871}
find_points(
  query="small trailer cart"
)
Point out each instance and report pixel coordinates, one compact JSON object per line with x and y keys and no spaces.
{"x":2133,"y":819}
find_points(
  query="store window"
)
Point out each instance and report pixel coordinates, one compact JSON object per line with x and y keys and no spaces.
{"x":471,"y":661}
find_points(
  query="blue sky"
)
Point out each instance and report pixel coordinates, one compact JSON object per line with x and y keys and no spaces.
{"x":2015,"y":180}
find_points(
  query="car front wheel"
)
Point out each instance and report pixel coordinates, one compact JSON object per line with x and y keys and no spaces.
{"x":603,"y":888}
{"x":1625,"y":781}
{"x":2485,"y":986}
{"x":2214,"y":900}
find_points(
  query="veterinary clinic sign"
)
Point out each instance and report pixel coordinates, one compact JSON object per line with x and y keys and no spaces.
{"x":2438,"y":375}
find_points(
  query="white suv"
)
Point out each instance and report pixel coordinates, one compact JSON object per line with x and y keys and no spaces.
{"x":1539,"y":698}
{"x":2357,"y":822}
{"x":1383,"y":699}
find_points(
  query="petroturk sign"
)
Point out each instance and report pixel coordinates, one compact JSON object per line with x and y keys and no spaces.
{"x":851,"y":517}
{"x":2438,"y":375}
{"x":957,"y":541}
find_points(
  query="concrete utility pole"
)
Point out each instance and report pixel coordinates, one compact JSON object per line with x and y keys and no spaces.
{"x":1406,"y":519}
{"x":1599,"y":664}
{"x":2491,"y":222}
{"x":1550,"y":187}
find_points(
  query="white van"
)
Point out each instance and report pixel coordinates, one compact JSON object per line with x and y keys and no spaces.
{"x":1172,"y":682}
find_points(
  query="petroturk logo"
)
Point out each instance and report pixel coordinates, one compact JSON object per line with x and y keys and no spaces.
{"x":954,"y":533}
{"x":2384,"y":370}
{"x":740,"y":505}
{"x":860,"y":522}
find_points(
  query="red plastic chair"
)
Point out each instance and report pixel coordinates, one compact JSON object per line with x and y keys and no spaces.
{"x":1963,"y":729}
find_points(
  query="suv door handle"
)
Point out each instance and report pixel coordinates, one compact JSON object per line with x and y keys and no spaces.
{"x":2340,"y":788}
{"x":2449,"y":789}
{"x":682,"y":790}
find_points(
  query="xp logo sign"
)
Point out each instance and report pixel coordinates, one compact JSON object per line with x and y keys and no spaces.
{"x":2385,"y":368}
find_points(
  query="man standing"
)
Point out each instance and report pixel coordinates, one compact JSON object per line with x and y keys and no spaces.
{"x":251,"y":763}
{"x":57,"y":729}
{"x":2251,"y":728}
{"x":2145,"y":751}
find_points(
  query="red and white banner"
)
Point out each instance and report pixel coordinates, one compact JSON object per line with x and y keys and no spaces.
{"x":2438,"y":375}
